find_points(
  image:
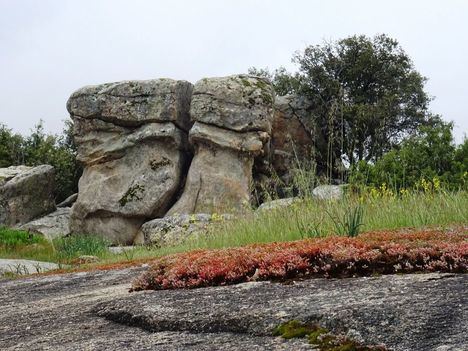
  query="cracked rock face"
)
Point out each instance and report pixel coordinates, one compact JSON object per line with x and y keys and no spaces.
{"x":131,"y":138}
{"x":25,"y":193}
{"x":232,"y":124}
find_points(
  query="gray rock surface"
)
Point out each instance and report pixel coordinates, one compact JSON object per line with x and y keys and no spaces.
{"x":130,"y":137}
{"x":22,"y":267}
{"x":69,"y":201}
{"x":134,"y":103}
{"x":238,"y":102}
{"x":94,"y":311}
{"x":25,"y":193}
{"x":51,"y":226}
{"x":176,"y":229}
{"x":328,"y":192}
{"x":233,"y":120}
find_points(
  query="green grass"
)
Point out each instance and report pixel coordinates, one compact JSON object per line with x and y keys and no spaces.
{"x":309,"y":218}
{"x":321,"y":218}
{"x":11,"y":238}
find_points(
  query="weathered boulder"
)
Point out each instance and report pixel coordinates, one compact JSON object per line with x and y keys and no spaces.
{"x":176,"y":229}
{"x":239,"y":102}
{"x":130,"y":137}
{"x":51,"y":226}
{"x":134,"y":103}
{"x":232,"y":123}
{"x":25,"y":193}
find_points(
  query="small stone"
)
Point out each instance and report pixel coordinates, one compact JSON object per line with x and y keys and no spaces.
{"x":84,"y":259}
{"x":328,"y":192}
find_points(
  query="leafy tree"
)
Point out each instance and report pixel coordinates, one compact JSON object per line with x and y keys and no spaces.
{"x":10,"y":147}
{"x":366,"y":94}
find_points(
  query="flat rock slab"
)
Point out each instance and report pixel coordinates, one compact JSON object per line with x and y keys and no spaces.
{"x":94,"y":311}
{"x":22,"y":267}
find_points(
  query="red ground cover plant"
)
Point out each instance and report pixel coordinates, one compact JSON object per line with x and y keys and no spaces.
{"x":370,"y":253}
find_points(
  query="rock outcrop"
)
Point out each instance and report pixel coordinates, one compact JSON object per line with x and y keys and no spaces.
{"x":132,"y":139}
{"x":136,"y":140}
{"x":94,"y":311}
{"x":25,"y":193}
{"x":233,"y":118}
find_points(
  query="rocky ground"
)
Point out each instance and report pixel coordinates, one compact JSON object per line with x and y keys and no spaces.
{"x":95,"y":311}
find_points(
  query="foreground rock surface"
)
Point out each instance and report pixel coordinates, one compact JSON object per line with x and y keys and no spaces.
{"x":94,"y":311}
{"x":25,"y":193}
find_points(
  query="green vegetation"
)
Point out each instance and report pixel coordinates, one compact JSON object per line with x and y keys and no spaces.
{"x":294,"y":329}
{"x":41,"y":148}
{"x":12,"y":239}
{"x":365,"y":93}
{"x":319,"y":336}
{"x":21,"y":244}
{"x":430,"y":155}
{"x":367,"y":211}
{"x":68,"y":248}
{"x":375,"y":210}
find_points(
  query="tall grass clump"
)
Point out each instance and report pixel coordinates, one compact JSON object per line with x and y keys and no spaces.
{"x":68,"y":248}
{"x":12,"y":238}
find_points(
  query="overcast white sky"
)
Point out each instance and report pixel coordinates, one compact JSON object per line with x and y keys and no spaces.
{"x":49,"y":48}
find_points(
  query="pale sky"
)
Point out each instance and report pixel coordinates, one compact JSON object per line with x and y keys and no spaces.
{"x":49,"y":48}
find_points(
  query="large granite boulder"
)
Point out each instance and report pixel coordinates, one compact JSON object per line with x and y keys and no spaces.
{"x":131,"y":139}
{"x":25,"y":193}
{"x":232,"y":124}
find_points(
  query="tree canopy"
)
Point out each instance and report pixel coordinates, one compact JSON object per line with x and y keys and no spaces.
{"x":366,"y":97}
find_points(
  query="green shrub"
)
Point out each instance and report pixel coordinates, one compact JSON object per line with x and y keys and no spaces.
{"x":430,"y":155}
